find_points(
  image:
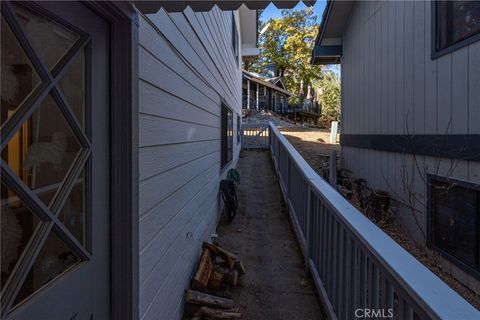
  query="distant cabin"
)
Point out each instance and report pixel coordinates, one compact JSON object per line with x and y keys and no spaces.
{"x":263,"y":93}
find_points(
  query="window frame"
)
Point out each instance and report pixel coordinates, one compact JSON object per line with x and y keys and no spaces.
{"x":436,"y":53}
{"x":239,"y":128}
{"x":123,"y":44}
{"x":431,"y":179}
{"x":224,"y":160}
{"x":235,"y":37}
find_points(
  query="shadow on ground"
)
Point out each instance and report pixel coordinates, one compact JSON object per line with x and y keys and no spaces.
{"x":276,"y":285}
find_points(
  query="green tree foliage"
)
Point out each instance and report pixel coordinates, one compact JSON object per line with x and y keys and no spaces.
{"x":330,"y":98}
{"x":287,"y":43}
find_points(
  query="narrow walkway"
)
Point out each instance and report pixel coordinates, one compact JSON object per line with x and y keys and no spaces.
{"x":276,"y":285}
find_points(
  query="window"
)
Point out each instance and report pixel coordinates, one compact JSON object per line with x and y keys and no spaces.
{"x":46,"y":150}
{"x":454,"y":214}
{"x":239,"y":123}
{"x":234,"y":38}
{"x":457,"y":24}
{"x":227,"y":136}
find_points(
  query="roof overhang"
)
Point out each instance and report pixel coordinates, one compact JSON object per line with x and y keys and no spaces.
{"x":328,"y":44}
{"x":147,"y":7}
{"x":248,"y":12}
{"x":281,"y":82}
{"x":249,"y":32}
{"x":247,"y":75}
{"x":250,"y":51}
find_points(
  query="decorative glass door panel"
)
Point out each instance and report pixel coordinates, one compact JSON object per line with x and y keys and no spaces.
{"x":19,"y":78}
{"x":18,"y":224}
{"x":47,"y":154}
{"x":43,"y":150}
{"x":50,"y":39}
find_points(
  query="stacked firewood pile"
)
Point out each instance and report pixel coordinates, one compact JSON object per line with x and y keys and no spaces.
{"x":208,"y":297}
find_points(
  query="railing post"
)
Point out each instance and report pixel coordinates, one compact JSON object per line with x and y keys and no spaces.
{"x":270,"y":136}
{"x":256,"y":98}
{"x":248,"y":94}
{"x":333,"y":169}
{"x":288,"y":175}
{"x":241,"y":137}
{"x":308,"y":215}
{"x":340,"y":297}
{"x":353,"y":262}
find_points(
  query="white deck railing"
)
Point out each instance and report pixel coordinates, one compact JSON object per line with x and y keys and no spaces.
{"x":354,"y":264}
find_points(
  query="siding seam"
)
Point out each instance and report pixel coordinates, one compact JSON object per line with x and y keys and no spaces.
{"x":175,"y":167}
{"x":156,"y":204}
{"x":159,"y":233}
{"x":181,"y":76}
{"x":175,"y":143}
{"x":177,"y":97}
{"x":154,"y":116}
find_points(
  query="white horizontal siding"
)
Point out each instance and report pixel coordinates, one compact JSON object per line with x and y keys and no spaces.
{"x":186,"y":69}
{"x":157,"y":130}
{"x":179,"y":109}
{"x":159,"y":159}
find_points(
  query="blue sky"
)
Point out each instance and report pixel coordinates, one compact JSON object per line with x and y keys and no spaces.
{"x":272,"y":12}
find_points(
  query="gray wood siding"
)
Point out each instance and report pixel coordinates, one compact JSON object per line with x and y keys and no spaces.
{"x":186,"y":69}
{"x":390,"y":85}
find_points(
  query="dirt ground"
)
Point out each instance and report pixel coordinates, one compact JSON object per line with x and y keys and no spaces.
{"x":276,"y":285}
{"x":313,"y":144}
{"x":432,"y":262}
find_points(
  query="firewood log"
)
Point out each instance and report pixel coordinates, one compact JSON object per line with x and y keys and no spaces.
{"x":216,"y":280}
{"x":203,"y":299}
{"x":222,"y":253}
{"x":216,"y":314}
{"x":239,"y":266}
{"x":205,"y":267}
{"x":231,"y":277}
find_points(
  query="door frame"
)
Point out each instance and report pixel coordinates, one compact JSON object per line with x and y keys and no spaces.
{"x":124,"y":217}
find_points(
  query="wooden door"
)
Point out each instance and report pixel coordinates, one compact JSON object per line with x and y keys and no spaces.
{"x":54,"y":162}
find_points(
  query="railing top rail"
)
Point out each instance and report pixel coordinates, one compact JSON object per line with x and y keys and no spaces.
{"x":255,"y":125}
{"x":436,"y":298}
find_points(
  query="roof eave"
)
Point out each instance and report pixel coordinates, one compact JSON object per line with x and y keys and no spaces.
{"x":253,"y":78}
{"x":326,"y":54}
{"x":328,"y":43}
{"x":323,"y":24}
{"x":152,"y":6}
